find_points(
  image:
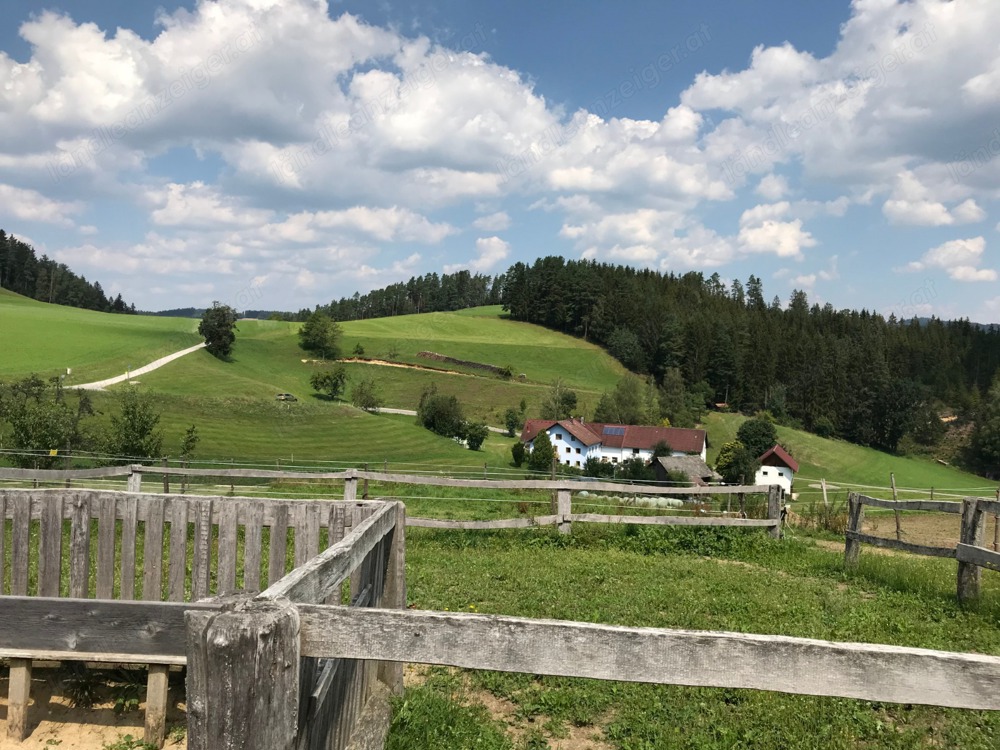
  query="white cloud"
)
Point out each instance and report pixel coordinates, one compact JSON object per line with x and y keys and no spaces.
{"x":772,"y":187}
{"x":198,"y":205}
{"x":495,"y":222}
{"x":960,"y":259}
{"x":30,"y":205}
{"x":783,"y":238}
{"x":490,"y":252}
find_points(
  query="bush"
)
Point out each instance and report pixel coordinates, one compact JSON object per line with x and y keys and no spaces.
{"x":517,"y":452}
{"x":512,"y":421}
{"x":367,"y":395}
{"x":330,"y":383}
{"x":441,"y":414}
{"x":757,"y":435}
{"x":475,"y":435}
{"x":824,"y":427}
{"x":541,"y":455}
{"x":596,"y":468}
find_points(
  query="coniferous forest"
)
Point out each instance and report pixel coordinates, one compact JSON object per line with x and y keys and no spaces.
{"x":44,"y":279}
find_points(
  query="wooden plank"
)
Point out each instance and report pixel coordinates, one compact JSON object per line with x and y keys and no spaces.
{"x":177,"y":566}
{"x":253,"y":541}
{"x":20,"y":541}
{"x":245,"y":473}
{"x":989,"y":506}
{"x":79,"y":547}
{"x":938,"y":506}
{"x":278,"y":545}
{"x":394,"y":594}
{"x":806,"y":666}
{"x":243,"y":678}
{"x":306,"y":533}
{"x":152,"y":549}
{"x":564,"y":509}
{"x":157,"y":697}
{"x":50,"y":546}
{"x":673,"y":520}
{"x":18,"y":697}
{"x":106,"y":526}
{"x":134,"y":483}
{"x":128,"y":506}
{"x":336,"y":529}
{"x":94,"y":630}
{"x":980,"y":556}
{"x":201,"y":564}
{"x":916,"y":549}
{"x":3,"y":539}
{"x":58,"y":475}
{"x":372,"y":726}
{"x":226,"y":578}
{"x":501,"y":523}
{"x":774,"y":496}
{"x":318,"y":578}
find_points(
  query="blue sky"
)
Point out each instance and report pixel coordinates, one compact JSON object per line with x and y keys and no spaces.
{"x":280,"y":154}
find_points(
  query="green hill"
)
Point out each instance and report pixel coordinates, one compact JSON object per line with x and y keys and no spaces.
{"x":839,"y":461}
{"x":46,"y":339}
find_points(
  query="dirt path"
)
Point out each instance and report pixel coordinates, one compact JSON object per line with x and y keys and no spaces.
{"x":100,"y":385}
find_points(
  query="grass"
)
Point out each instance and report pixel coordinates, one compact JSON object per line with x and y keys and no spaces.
{"x":46,"y":339}
{"x":662,"y":578}
{"x":837,"y":460}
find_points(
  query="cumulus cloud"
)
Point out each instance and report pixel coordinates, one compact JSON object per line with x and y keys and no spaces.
{"x":495,"y":222}
{"x":772,"y":187}
{"x":490,"y":252}
{"x":960,"y":259}
{"x":30,"y":205}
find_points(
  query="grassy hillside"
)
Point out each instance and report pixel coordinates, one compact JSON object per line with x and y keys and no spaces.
{"x":836,"y":460}
{"x":46,"y":339}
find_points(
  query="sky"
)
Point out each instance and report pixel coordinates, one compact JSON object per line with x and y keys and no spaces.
{"x":278,"y":154}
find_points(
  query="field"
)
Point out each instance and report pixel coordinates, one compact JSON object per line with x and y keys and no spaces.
{"x":47,"y":339}
{"x":836,"y":460}
{"x":686,"y":579}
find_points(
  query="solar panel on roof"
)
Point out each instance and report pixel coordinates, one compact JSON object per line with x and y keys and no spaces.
{"x":614,"y":430}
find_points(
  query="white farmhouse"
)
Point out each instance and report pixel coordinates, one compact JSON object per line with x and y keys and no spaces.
{"x":574,"y":441}
{"x":777,"y":467}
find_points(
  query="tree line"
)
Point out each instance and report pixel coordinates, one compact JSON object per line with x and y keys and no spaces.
{"x":45,"y":280}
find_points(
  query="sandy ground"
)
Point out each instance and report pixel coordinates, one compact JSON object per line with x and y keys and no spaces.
{"x":56,"y":724}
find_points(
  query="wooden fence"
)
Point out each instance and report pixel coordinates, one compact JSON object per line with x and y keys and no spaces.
{"x":970,"y":553}
{"x":561,"y":513}
{"x":135,"y":563}
{"x":292,"y":668}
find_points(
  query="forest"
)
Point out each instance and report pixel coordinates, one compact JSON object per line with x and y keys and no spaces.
{"x":43,"y":279}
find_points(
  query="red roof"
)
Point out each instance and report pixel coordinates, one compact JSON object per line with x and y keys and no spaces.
{"x":642,"y":437}
{"x":778,"y":456}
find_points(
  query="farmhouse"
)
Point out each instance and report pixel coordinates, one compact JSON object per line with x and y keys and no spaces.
{"x":574,"y":441}
{"x":777,"y":467}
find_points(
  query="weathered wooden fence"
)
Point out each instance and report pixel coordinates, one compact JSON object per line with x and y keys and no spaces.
{"x":291,"y":668}
{"x":970,"y":553}
{"x":133,"y":564}
{"x":561,"y":513}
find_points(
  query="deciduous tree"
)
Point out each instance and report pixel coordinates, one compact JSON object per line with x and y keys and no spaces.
{"x":218,"y":327}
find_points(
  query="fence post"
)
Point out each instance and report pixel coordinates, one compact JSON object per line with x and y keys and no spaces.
{"x":969,"y":575}
{"x":166,"y":477}
{"x":134,"y":479}
{"x":774,"y":510}
{"x":351,"y":485}
{"x":394,"y":595}
{"x":243,"y":676}
{"x":895,"y":497}
{"x":564,"y":507}
{"x":855,"y":518}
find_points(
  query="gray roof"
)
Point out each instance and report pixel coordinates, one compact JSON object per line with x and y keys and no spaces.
{"x":696,"y":469}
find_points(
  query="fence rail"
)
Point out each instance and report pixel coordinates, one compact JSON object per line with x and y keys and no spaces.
{"x":969,"y":551}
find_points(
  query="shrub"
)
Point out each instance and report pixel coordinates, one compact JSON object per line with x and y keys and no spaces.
{"x":475,"y":435}
{"x":330,"y":383}
{"x":512,"y":421}
{"x":824,"y":427}
{"x":367,"y":395}
{"x":541,"y":455}
{"x":517,"y":453}
{"x":441,"y":414}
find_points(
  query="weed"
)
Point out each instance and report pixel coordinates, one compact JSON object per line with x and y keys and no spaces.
{"x":177,"y":733}
{"x":128,"y":742}
{"x":80,"y":685}
{"x":127,"y":690}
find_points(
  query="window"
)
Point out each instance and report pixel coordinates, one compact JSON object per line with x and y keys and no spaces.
{"x":568,"y":449}
{"x":558,"y":436}
{"x":577,"y":463}
{"x":577,"y":450}
{"x":764,"y":472}
{"x":614,"y":460}
{"x":635,"y":451}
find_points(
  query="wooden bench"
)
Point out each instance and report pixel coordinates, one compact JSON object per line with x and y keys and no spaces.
{"x":106,"y":547}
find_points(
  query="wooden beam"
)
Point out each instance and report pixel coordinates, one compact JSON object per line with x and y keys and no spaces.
{"x":500,"y":523}
{"x":58,"y":475}
{"x":678,"y":657}
{"x":855,"y":520}
{"x":372,"y":727}
{"x":970,"y":574}
{"x":940,"y":506}
{"x":672,"y":520}
{"x":157,"y":700}
{"x":18,"y":698}
{"x":980,"y":556}
{"x":34,"y":627}
{"x":394,"y":593}
{"x":319,"y":577}
{"x":916,"y":549}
